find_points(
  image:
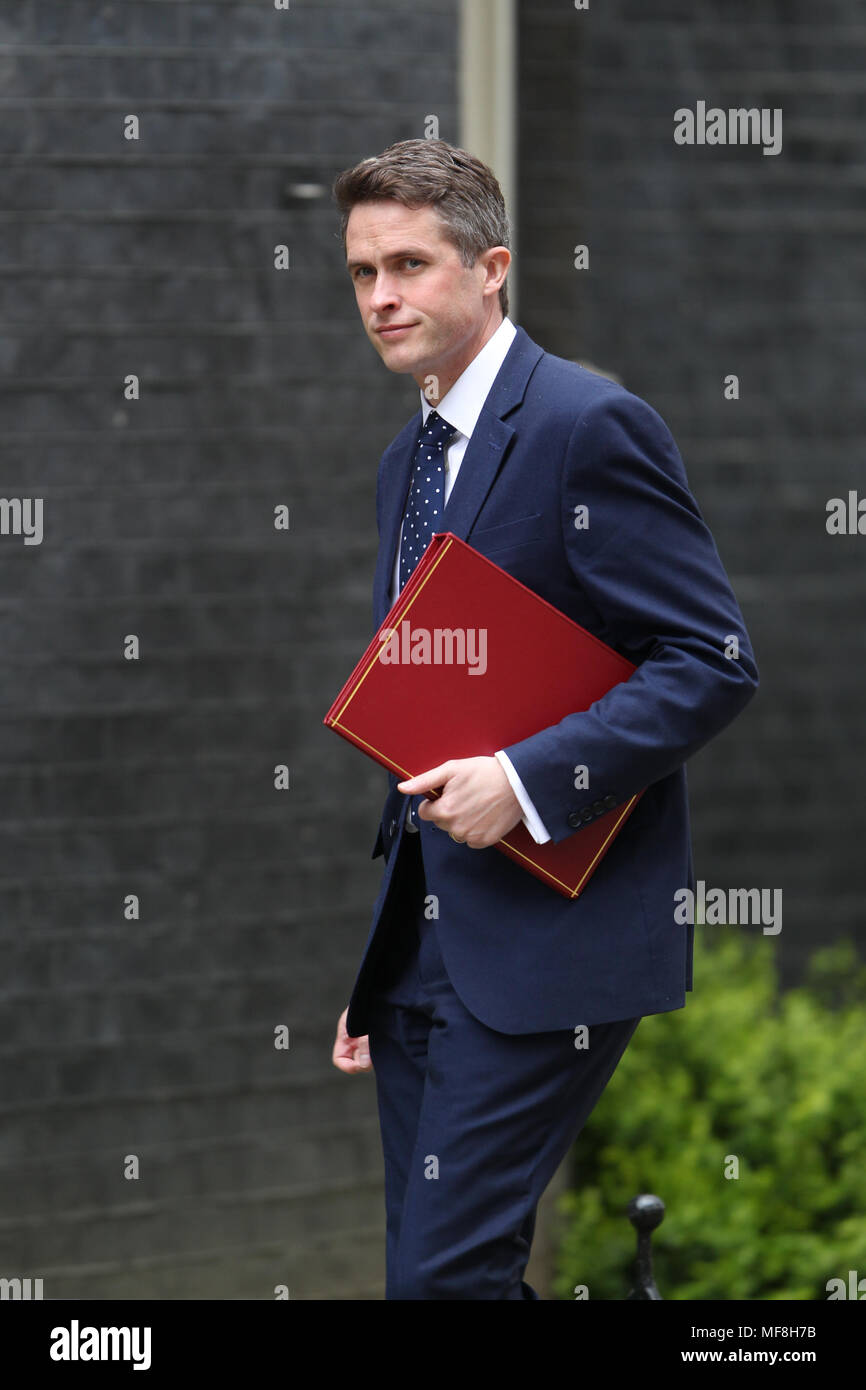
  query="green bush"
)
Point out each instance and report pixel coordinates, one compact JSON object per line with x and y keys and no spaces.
{"x":777,"y":1080}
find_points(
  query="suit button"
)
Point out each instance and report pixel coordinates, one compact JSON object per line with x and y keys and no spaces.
{"x":599,"y":808}
{"x":410,"y":825}
{"x":574,"y":819}
{"x":587,"y":814}
{"x":393,"y":827}
{"x":610,"y":801}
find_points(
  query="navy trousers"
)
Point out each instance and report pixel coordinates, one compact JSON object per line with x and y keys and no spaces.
{"x":474,"y":1122}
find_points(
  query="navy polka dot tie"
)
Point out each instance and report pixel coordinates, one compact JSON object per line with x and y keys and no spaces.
{"x":426,"y":500}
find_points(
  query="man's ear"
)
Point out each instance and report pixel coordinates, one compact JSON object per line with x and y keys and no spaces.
{"x":496,"y":261}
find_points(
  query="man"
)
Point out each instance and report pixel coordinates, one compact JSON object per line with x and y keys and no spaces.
{"x":494,"y":1010}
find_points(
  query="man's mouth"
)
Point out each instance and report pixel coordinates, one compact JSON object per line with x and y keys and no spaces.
{"x":394,"y":330}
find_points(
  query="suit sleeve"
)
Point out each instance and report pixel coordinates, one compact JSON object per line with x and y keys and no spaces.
{"x":648,"y":565}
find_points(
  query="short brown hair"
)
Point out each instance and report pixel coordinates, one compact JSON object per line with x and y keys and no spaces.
{"x":432,"y":173}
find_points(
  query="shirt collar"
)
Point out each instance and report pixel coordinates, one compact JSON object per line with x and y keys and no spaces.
{"x":462,"y":405}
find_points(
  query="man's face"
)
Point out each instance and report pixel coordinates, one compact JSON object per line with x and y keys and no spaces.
{"x":407,"y":274}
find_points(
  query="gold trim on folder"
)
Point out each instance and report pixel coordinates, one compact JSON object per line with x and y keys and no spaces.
{"x":410,"y":600}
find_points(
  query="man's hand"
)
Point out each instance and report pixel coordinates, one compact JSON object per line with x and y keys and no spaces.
{"x":476,"y":806}
{"x":350,"y":1054}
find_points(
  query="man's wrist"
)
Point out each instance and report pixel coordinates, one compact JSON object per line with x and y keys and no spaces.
{"x":531,"y":818}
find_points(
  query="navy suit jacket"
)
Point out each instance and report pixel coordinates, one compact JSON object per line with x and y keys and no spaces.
{"x":645,"y":576}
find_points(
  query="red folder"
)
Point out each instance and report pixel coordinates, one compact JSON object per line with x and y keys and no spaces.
{"x":431,"y":687}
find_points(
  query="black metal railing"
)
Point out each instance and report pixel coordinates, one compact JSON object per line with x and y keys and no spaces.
{"x":645,"y":1212}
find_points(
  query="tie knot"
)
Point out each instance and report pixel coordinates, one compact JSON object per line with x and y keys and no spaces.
{"x":436,"y":428}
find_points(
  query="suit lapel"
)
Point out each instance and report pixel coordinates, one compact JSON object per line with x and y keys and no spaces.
{"x":481,"y":462}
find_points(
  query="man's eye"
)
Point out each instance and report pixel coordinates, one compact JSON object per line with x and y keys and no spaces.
{"x":416,"y":259}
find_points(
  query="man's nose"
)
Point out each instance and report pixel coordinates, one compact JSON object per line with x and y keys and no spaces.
{"x":383,"y":293}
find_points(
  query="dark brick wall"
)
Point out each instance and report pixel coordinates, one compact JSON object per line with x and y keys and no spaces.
{"x":716,"y":260}
{"x":258,"y":388}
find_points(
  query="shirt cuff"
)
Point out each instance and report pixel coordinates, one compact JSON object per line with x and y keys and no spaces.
{"x":531,"y":818}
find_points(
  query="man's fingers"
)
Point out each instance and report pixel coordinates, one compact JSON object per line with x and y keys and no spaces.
{"x":426,"y":781}
{"x":350,"y":1054}
{"x":352,"y":1067}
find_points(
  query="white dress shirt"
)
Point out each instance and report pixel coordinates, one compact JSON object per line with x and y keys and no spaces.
{"x":461,"y":407}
